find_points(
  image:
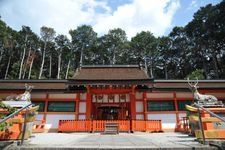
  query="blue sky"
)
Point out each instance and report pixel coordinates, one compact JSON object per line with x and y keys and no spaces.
{"x":133,"y":16}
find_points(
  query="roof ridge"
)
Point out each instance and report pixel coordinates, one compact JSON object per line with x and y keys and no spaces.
{"x":110,"y":66}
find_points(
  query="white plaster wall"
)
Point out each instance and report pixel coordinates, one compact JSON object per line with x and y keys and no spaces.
{"x":139,"y":107}
{"x":140,"y":117}
{"x":105,"y":98}
{"x":127,"y":98}
{"x":53,"y":120}
{"x":168,"y":120}
{"x":39,"y":117}
{"x":82,"y":107}
{"x":82,"y":117}
{"x":117,"y":98}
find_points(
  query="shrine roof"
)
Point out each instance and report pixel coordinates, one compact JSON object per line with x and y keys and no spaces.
{"x":111,"y":72}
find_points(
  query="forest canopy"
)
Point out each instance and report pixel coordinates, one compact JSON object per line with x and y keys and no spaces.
{"x":195,"y":49}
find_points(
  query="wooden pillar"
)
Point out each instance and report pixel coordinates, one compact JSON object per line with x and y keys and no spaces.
{"x":145,"y":106}
{"x":77,"y":106}
{"x":176,"y":107}
{"x":46,"y":106}
{"x":88,"y":104}
{"x":132,"y":104}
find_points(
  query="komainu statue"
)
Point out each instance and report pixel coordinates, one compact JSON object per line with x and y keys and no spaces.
{"x":26,"y":96}
{"x":204,"y":100}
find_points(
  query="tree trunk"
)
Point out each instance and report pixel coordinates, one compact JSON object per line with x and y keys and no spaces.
{"x":43,"y":61}
{"x":31,"y":65}
{"x":166,"y":72}
{"x":59,"y":64}
{"x":27,"y":63}
{"x":23,"y":57}
{"x":81,"y":57}
{"x":50,"y":66}
{"x":67,"y":70}
{"x":7,"y":69}
{"x":216,"y":68}
{"x":1,"y":54}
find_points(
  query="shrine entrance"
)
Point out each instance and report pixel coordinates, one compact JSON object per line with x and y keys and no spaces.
{"x":108,"y":112}
{"x":110,"y":107}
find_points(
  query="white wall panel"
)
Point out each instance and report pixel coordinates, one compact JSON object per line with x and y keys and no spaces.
{"x":82,"y":107}
{"x":168,"y":120}
{"x":127,"y":98}
{"x":53,"y":120}
{"x":39,"y":117}
{"x":82,"y":117}
{"x":140,"y":117}
{"x":117,"y":98}
{"x":139,"y":107}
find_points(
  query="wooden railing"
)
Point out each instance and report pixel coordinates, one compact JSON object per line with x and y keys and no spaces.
{"x":183,"y":125}
{"x":147,"y":126}
{"x":99,"y":125}
{"x":74,"y":126}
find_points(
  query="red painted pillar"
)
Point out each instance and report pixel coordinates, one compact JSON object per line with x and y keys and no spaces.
{"x":132,"y":104}
{"x":46,"y":107}
{"x":176,"y":107}
{"x":145,"y":106}
{"x":88,"y":104}
{"x":77,"y":106}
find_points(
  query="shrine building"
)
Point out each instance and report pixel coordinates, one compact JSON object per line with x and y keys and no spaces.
{"x":117,"y":93}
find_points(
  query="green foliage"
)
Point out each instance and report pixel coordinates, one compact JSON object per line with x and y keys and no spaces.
{"x":10,"y":110}
{"x":198,"y":73}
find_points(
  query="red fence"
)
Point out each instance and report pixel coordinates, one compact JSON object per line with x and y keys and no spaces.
{"x":148,"y":126}
{"x":99,"y":125}
{"x":74,"y":125}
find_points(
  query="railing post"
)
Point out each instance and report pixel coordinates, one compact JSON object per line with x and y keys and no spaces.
{"x":200,"y":125}
{"x":24,"y":128}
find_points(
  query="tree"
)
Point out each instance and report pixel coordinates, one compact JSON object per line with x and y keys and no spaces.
{"x":144,"y":47}
{"x":181,"y":52}
{"x":83,"y":40}
{"x":165,"y":58}
{"x":113,"y":43}
{"x":47,"y":35}
{"x":62,"y":44}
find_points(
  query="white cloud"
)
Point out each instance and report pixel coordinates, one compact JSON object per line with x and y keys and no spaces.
{"x":140,"y":15}
{"x":193,"y":4}
{"x":63,"y":15}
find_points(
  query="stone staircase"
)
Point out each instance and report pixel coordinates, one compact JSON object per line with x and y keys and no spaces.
{"x":111,"y":128}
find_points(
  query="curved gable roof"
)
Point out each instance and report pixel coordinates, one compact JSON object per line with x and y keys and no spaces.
{"x":111,"y":73}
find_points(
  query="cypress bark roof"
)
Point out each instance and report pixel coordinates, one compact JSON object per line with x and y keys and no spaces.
{"x":111,"y":73}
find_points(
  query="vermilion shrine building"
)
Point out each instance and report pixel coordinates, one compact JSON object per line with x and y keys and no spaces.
{"x":116,"y":93}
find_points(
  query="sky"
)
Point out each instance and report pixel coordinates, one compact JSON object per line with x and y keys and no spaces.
{"x":133,"y":16}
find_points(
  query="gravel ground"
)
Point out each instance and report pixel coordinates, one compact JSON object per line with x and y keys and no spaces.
{"x":121,"y":141}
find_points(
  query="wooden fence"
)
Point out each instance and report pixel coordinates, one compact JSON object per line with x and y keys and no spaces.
{"x":99,"y":125}
{"x":147,"y":126}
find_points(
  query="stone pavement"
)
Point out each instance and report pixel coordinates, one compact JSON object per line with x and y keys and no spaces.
{"x":165,"y":141}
